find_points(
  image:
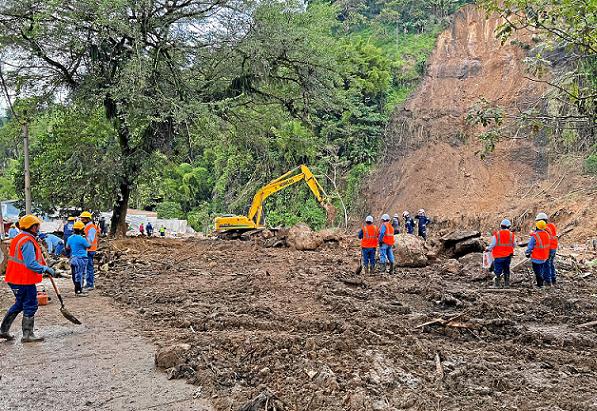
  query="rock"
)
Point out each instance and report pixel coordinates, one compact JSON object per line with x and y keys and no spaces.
{"x":330,"y":234}
{"x":410,"y":251}
{"x":171,"y":356}
{"x":452,"y":266}
{"x":459,"y":235}
{"x":301,"y":237}
{"x":472,"y":245}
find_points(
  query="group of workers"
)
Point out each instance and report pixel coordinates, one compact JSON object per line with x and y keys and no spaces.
{"x":26,"y":264}
{"x":371,"y":236}
{"x":541,"y":249}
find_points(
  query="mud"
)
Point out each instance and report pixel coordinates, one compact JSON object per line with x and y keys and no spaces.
{"x":298,"y":325}
{"x":103,"y":364}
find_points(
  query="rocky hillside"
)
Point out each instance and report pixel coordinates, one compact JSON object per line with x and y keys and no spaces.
{"x":433,"y":157}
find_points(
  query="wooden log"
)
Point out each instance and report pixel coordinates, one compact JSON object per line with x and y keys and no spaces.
{"x":589,"y":324}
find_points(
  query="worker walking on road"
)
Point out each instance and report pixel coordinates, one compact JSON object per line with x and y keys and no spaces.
{"x":423,"y":220}
{"x":25,"y":267}
{"x":91,"y":235}
{"x":149,"y":229}
{"x":13,"y":231}
{"x":538,"y":252}
{"x":78,"y":245}
{"x":368,"y":235}
{"x":162,"y":231}
{"x":550,"y":267}
{"x":409,"y":222}
{"x":386,"y":244}
{"x":502,"y":249}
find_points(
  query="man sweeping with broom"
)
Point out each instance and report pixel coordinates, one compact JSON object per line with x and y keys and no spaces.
{"x":25,"y":267}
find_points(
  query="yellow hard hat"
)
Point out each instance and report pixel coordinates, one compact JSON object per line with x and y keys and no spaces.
{"x":28,"y":221}
{"x":86,"y":214}
{"x":79,"y":225}
{"x":541,"y":224}
{"x":71,"y":219}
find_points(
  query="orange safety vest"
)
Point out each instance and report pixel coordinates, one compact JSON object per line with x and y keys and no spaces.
{"x":542,"y":242}
{"x":88,"y":227}
{"x":551,"y":230}
{"x":370,"y":235}
{"x":388,"y":237}
{"x":504,"y":244}
{"x":16,"y":271}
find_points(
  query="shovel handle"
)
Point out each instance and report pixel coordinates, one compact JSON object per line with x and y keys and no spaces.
{"x":57,"y":291}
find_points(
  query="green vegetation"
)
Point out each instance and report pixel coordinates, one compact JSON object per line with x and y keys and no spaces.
{"x":155,"y":114}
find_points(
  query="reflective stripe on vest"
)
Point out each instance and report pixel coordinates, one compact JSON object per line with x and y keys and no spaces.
{"x":370,"y":234}
{"x":388,"y":237}
{"x":504,"y":244}
{"x":541,"y":249}
{"x":553,"y":240}
{"x":88,"y":227}
{"x":16,"y":270}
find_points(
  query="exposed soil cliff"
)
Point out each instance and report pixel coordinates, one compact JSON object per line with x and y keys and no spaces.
{"x":433,"y":157}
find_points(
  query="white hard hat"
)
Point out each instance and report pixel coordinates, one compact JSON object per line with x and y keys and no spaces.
{"x":369,"y":219}
{"x":505,"y":223}
{"x":421,"y":212}
{"x":541,"y":216}
{"x":385,"y":217}
{"x":405,"y":213}
{"x":396,"y":215}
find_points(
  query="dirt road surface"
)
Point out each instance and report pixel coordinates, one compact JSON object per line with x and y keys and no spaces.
{"x":103,"y":364}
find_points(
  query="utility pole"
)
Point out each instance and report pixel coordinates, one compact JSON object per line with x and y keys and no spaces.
{"x":27,"y":175}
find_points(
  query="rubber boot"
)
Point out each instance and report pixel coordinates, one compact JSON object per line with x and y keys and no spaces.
{"x":5,"y":327}
{"x":497,"y":282}
{"x":28,"y":335}
{"x":506,"y":280}
{"x":391,"y":268}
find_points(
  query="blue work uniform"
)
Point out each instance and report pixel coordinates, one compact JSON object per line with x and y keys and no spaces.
{"x":539,"y":266}
{"x":422,"y":224}
{"x":78,"y":261}
{"x":386,"y":253}
{"x":409,"y":225}
{"x":54,"y":244}
{"x":13,"y":232}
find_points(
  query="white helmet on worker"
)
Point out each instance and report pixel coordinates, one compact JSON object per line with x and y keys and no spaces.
{"x":505,"y":223}
{"x":396,"y":215}
{"x":541,"y":216}
{"x":369,"y":219}
{"x":385,"y":217}
{"x":405,"y":213}
{"x":421,"y":212}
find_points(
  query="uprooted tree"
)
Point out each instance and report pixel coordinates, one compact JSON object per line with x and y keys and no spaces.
{"x":151,"y":65}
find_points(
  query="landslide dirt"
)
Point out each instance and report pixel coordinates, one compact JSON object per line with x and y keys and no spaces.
{"x":433,"y":158}
{"x":300,"y":325}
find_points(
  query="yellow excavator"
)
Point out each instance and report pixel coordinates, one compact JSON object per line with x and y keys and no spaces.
{"x":253,"y":221}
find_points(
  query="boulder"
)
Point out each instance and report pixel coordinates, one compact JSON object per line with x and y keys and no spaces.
{"x":459,"y":235}
{"x":171,"y":356}
{"x":301,"y":237}
{"x":452,"y":266}
{"x":472,"y":267}
{"x":410,"y":251}
{"x":330,"y":235}
{"x":472,"y":245}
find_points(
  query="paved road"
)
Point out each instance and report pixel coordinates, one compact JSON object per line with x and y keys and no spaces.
{"x":94,"y":366}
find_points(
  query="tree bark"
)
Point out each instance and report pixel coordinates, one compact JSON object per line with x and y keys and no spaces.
{"x":118,"y":226}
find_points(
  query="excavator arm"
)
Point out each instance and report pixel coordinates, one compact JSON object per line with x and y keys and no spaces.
{"x":254,"y":218}
{"x":286,"y":180}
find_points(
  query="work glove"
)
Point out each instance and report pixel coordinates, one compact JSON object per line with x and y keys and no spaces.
{"x":52,"y":272}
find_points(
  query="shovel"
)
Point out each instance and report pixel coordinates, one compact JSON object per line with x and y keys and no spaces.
{"x":63,"y":309}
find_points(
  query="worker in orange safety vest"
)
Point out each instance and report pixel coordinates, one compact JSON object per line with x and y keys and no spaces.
{"x":502,"y":249}
{"x":25,"y":267}
{"x":550,"y":267}
{"x":92,"y":237}
{"x":538,"y":252}
{"x":368,"y":235}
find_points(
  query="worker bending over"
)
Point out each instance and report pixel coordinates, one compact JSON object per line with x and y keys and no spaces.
{"x":538,"y":252}
{"x":91,"y":235}
{"x":54,"y":244}
{"x":550,"y":267}
{"x":502,"y":249}
{"x":77,"y":245}
{"x":368,"y":235}
{"x":386,"y":244}
{"x":25,"y":267}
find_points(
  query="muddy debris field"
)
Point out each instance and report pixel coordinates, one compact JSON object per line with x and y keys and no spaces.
{"x":274,"y":328}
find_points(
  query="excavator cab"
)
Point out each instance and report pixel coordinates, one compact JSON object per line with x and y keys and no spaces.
{"x":253,"y":221}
